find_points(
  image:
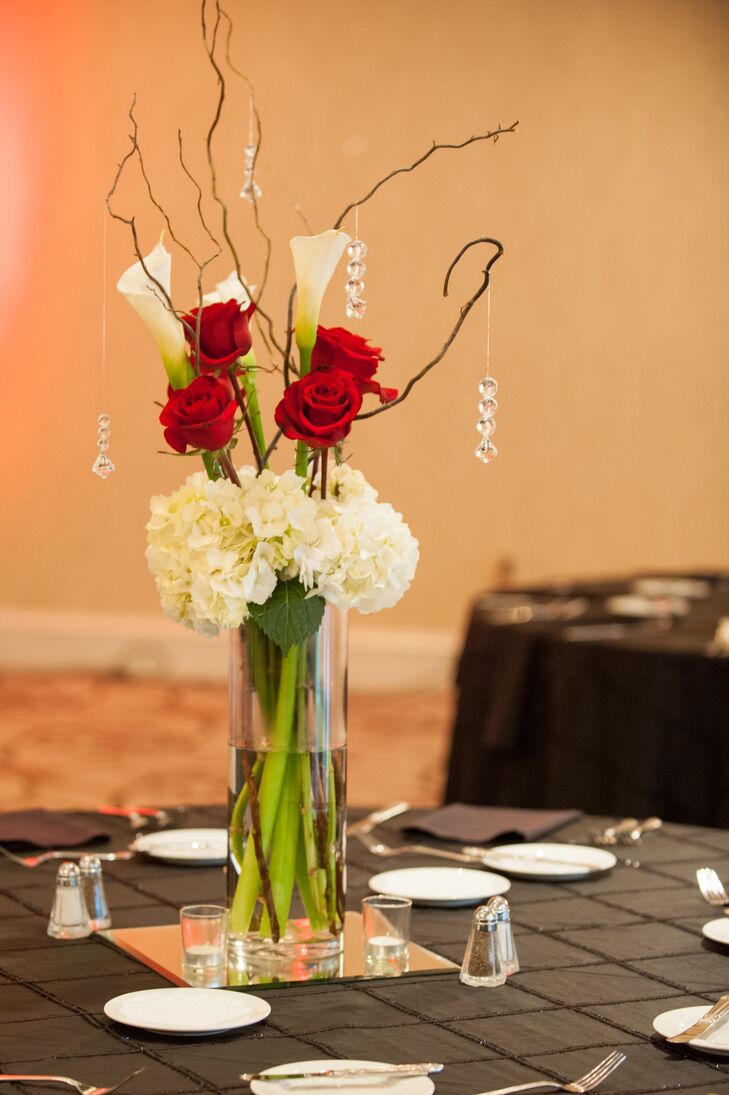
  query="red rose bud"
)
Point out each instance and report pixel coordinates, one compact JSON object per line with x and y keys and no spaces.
{"x":200,"y":415}
{"x":224,"y":334}
{"x":320,"y":408}
{"x":340,"y":349}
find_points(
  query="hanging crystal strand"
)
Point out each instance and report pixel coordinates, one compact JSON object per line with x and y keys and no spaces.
{"x":356,"y":251}
{"x":250,"y":191}
{"x":102,"y":465}
{"x":488,"y":406}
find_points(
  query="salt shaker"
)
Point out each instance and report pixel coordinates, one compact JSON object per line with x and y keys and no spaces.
{"x":69,"y":915}
{"x":499,"y":906}
{"x":93,"y":887}
{"x":482,"y":963}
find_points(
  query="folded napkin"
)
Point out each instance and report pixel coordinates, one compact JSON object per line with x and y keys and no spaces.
{"x":46,"y":829}
{"x":477,"y":824}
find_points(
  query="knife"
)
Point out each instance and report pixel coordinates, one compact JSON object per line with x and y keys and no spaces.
{"x":367,"y":824}
{"x":720,"y":1008}
{"x":335,"y":1073}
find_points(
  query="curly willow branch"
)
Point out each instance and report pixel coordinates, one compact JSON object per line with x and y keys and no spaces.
{"x":435,"y":147}
{"x":466,"y":308}
{"x":210,"y":50}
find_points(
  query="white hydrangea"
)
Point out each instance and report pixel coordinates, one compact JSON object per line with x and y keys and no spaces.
{"x":215,"y":548}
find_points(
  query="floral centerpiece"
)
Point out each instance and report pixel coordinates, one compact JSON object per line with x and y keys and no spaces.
{"x":276,"y":559}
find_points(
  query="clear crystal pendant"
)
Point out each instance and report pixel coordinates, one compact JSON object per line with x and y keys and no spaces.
{"x":488,"y":407}
{"x":102,"y":465}
{"x":356,"y":307}
{"x":250,"y":191}
{"x":486,"y":451}
{"x":486,"y":426}
{"x":488,"y":386}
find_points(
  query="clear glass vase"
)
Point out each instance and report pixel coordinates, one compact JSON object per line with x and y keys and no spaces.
{"x":287,"y":803}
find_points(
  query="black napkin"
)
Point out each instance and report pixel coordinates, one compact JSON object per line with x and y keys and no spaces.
{"x":477,"y":824}
{"x":47,"y":829}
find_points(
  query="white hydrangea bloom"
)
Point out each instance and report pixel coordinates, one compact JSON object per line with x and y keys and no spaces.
{"x":215,"y":548}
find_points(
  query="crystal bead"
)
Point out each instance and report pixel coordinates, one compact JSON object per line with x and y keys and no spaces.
{"x":488,"y":407}
{"x":355,"y":308}
{"x":250,"y":151}
{"x":488,"y":386}
{"x":356,"y":269}
{"x":357,"y":249}
{"x":486,"y":426}
{"x":486,"y":451}
{"x":104,"y":421}
{"x":251,"y":190}
{"x":103,"y":443}
{"x":355,"y":287}
{"x":102,"y":466}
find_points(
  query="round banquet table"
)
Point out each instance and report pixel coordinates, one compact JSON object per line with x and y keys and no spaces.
{"x":600,"y":959}
{"x":597,"y":712}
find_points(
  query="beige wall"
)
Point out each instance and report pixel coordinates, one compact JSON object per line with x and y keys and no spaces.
{"x":609,"y":314}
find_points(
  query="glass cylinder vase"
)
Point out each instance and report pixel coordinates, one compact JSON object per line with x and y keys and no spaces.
{"x":287,"y":803}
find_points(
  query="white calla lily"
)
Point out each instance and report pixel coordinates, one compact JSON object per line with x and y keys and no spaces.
{"x":315,"y":259}
{"x":230,"y":289}
{"x":147,"y":301}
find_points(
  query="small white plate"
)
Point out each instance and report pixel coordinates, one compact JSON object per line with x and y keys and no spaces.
{"x":550,"y":862}
{"x":716,"y":1039}
{"x":646,"y":608}
{"x":440,"y":885}
{"x":192,"y":847}
{"x":187,"y":1011}
{"x":363,"y":1085}
{"x":717,"y":930}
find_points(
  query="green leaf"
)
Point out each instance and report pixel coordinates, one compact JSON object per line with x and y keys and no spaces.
{"x":289,"y":617}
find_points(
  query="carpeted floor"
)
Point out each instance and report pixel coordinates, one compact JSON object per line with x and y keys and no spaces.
{"x":78,"y":740}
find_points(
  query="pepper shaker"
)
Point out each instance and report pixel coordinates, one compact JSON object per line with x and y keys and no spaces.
{"x":69,"y":915}
{"x":499,"y":906}
{"x":93,"y":887}
{"x":482,"y":964}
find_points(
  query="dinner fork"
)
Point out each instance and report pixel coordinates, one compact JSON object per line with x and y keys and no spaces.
{"x":83,"y":1089}
{"x":588,"y":1082}
{"x":712,"y":888}
{"x":385,"y":851}
{"x":44,"y":857}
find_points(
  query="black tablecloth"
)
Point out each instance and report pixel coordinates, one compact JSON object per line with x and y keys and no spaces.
{"x":634,"y":725}
{"x":599,"y":960}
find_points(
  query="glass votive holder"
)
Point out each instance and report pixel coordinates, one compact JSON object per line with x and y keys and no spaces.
{"x":386,"y":934}
{"x":204,"y":929}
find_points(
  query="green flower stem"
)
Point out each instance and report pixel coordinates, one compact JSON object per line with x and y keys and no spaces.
{"x":238,"y":813}
{"x":269,"y":795}
{"x":332,"y":901}
{"x":282,"y":861}
{"x":254,"y":406}
{"x":310,"y":897}
{"x":302,"y":451}
{"x":316,"y":876}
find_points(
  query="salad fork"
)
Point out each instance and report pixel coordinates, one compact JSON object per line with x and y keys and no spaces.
{"x":83,"y":1089}
{"x":44,"y":857}
{"x":712,"y":888}
{"x":588,"y":1082}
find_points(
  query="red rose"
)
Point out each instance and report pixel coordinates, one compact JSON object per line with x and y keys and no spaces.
{"x":200,"y":415}
{"x":319,"y":408}
{"x":340,"y":349}
{"x":224,"y":334}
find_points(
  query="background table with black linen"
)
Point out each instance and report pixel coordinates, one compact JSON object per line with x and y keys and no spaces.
{"x":637,"y":724}
{"x":600,"y":959}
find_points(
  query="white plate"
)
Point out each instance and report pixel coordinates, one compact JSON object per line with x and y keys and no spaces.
{"x":187,"y":1011}
{"x":363,"y":1085}
{"x":646,"y":608}
{"x":693,"y":588}
{"x":717,"y":930}
{"x":193,"y":847}
{"x":440,"y":885}
{"x":550,"y":862}
{"x":716,"y":1039}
